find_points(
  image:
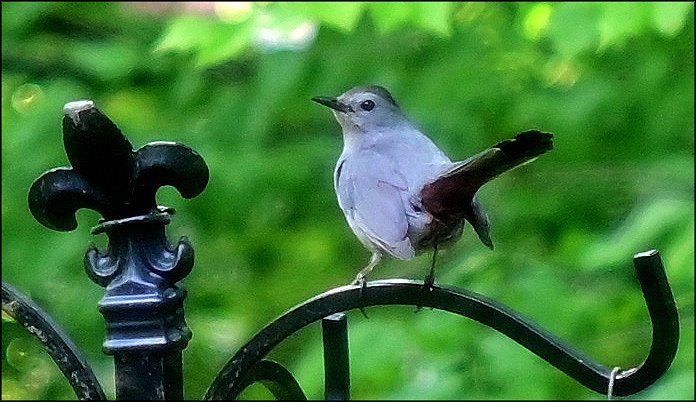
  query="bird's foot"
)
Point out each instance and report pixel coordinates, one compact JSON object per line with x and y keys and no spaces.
{"x":362,"y":282}
{"x":429,"y":282}
{"x":428,"y":286}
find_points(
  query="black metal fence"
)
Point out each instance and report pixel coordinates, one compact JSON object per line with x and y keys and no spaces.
{"x":143,"y":302}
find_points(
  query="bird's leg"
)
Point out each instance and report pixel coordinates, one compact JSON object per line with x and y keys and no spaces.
{"x":360,"y":278}
{"x":429,"y":280}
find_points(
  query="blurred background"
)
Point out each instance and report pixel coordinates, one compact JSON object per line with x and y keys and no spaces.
{"x":613,"y":81}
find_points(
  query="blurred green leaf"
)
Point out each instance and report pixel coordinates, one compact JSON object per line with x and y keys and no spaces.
{"x":429,"y":16}
{"x":106,"y":60}
{"x":343,"y":15}
{"x":213,"y":41}
{"x":660,"y":219}
{"x":434,"y":16}
{"x":669,"y":17}
{"x":619,"y":21}
{"x":573,"y":28}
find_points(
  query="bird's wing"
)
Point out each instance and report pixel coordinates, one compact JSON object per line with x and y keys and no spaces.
{"x":369,"y":192}
{"x":457,"y":186}
{"x":452,"y":195}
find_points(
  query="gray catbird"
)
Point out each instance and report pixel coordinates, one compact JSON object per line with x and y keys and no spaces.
{"x":400,"y":193}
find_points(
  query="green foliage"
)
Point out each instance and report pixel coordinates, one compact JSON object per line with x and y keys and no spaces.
{"x":613,"y":81}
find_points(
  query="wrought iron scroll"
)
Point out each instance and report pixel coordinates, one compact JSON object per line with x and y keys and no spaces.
{"x":276,"y":378}
{"x":232,"y":379}
{"x":57,"y":343}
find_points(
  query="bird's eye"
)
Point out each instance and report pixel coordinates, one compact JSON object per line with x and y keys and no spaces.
{"x":367,"y":105}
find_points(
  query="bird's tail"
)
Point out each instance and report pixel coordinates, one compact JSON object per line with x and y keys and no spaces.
{"x":450,"y":197}
{"x":505,"y":155}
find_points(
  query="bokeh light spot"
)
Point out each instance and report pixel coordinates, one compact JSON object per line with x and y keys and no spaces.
{"x":26,"y":97}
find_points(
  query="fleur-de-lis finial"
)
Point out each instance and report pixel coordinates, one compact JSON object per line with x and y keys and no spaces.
{"x":140,"y":269}
{"x":107,"y":175}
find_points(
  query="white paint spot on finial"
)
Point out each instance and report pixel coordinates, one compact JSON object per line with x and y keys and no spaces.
{"x":72,"y":109}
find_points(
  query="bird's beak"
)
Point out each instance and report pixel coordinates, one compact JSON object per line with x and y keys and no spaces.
{"x":333,"y":103}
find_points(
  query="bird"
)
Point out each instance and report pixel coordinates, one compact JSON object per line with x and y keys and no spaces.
{"x":400,"y":193}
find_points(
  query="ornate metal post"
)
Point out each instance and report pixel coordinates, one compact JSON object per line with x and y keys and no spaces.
{"x":142,"y":305}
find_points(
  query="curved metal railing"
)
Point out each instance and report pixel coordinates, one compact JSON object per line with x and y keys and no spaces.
{"x":650,"y":271}
{"x":56,"y":342}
